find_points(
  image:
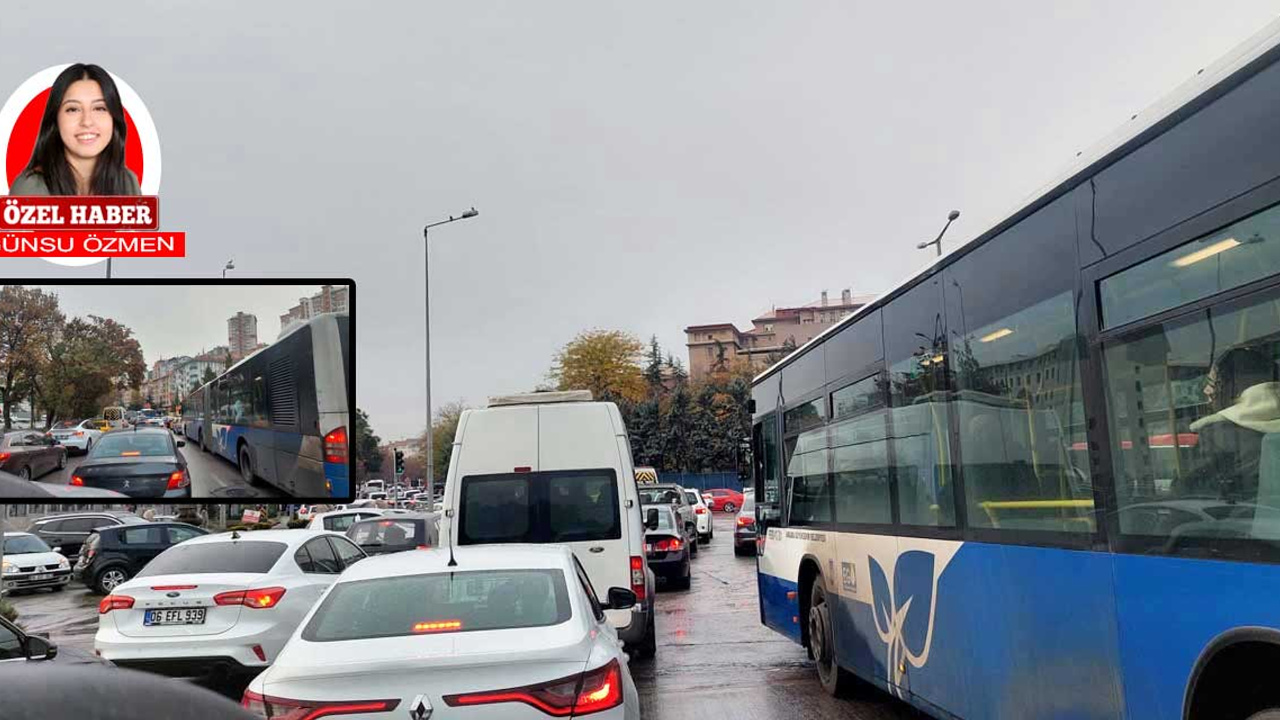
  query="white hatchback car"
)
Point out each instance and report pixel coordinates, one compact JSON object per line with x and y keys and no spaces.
{"x":510,"y":632}
{"x":702,"y":514}
{"x":222,"y":603}
{"x":340,"y":520}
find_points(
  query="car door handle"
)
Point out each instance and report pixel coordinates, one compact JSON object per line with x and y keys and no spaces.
{"x":596,"y":549}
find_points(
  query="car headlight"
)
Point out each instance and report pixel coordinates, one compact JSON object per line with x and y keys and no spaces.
{"x":7,"y":566}
{"x":63,"y":564}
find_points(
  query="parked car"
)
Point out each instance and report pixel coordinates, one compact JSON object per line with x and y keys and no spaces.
{"x":701,"y":513}
{"x":677,"y":497}
{"x":79,"y":436}
{"x":744,"y":526}
{"x":15,"y":489}
{"x":141,"y":463}
{"x":221,"y":603}
{"x":555,"y":468}
{"x":29,"y":564}
{"x":395,"y":533}
{"x":724,"y":499}
{"x":66,"y":532}
{"x":112,"y":555}
{"x":30,"y":454}
{"x":519,"y":633}
{"x":667,"y":547}
{"x":16,"y":645}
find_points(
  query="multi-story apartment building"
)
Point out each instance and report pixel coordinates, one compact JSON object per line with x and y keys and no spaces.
{"x":242,"y":335}
{"x":330,"y":299}
{"x":721,"y":346}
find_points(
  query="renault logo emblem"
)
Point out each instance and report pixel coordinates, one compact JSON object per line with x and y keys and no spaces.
{"x":420,"y":708}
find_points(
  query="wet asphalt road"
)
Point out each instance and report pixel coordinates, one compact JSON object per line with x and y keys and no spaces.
{"x":211,"y":476}
{"x":715,"y":660}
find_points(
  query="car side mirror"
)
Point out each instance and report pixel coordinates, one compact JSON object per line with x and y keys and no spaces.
{"x":39,"y":648}
{"x":651,"y":519}
{"x":620,"y":598}
{"x":182,"y":443}
{"x":58,"y":549}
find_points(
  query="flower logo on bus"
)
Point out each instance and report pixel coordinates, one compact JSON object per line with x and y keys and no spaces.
{"x":904,"y":612}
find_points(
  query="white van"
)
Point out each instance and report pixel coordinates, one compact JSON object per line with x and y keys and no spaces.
{"x":115,"y":417}
{"x":555,"y":468}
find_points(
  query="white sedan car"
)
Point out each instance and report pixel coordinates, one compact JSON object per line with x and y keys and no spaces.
{"x":340,"y":520}
{"x":510,"y":632}
{"x":220,"y":603}
{"x":80,"y":436}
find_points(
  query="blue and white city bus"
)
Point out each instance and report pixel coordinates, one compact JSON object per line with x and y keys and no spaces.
{"x":282,"y":414}
{"x":1041,"y":478}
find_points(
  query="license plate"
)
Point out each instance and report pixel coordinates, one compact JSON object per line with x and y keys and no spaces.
{"x":175,"y":616}
{"x":46,"y":576}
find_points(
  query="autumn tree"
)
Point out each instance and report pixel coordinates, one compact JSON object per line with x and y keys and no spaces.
{"x":606,"y":362}
{"x":29,"y":318}
{"x":444,"y":427}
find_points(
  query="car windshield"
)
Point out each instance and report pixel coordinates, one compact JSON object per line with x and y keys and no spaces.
{"x":215,"y":557}
{"x":441,"y":602}
{"x":666,"y":519}
{"x":693,"y":497}
{"x":24,"y":544}
{"x":66,"y":424}
{"x":131,"y":444}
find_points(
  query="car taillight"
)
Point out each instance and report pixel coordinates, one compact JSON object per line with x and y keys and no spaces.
{"x":637,"y":576}
{"x":745,"y":520}
{"x":114,"y":602}
{"x":286,"y":709}
{"x":5,"y":456}
{"x":75,"y":479}
{"x":78,"y":433}
{"x":589,"y":692}
{"x":260,"y":598}
{"x":335,"y":445}
{"x":178,"y":480}
{"x":668,"y":544}
{"x":700,"y":510}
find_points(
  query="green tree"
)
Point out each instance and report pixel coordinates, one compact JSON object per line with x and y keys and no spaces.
{"x":368,"y":457}
{"x":89,"y":363}
{"x":653,"y":369}
{"x":677,"y":449}
{"x":606,"y":362}
{"x":209,"y":375}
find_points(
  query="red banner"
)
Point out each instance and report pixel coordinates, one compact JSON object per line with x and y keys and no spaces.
{"x":80,"y":213}
{"x":86,"y":243}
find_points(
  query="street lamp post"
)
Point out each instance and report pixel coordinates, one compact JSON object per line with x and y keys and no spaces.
{"x":426,"y":292}
{"x":231,"y":265}
{"x":937,"y":242}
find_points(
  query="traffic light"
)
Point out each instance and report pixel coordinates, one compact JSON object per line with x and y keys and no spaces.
{"x":399,"y":462}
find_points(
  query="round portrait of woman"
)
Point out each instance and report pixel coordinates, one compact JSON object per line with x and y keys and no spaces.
{"x":80,"y":146}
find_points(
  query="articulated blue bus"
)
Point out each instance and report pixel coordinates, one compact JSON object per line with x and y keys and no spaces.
{"x":1041,"y":478}
{"x":282,"y":415}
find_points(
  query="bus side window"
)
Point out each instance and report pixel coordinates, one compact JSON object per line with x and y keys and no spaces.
{"x":259,"y":400}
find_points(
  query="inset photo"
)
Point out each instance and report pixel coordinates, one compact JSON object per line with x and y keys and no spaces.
{"x":176,"y":390}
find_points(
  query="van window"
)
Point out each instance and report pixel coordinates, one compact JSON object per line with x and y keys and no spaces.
{"x":552,"y":506}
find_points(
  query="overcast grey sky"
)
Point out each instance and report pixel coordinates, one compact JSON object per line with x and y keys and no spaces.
{"x":170,"y":320}
{"x":636,"y":166}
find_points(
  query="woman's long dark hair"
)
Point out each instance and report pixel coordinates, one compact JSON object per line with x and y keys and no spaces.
{"x":49,"y":159}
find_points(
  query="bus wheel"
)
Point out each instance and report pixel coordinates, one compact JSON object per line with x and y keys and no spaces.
{"x":835,"y":681}
{"x":246,"y":465}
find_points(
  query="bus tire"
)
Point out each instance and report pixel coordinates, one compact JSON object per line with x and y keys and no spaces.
{"x":834,"y":680}
{"x":245,"y":462}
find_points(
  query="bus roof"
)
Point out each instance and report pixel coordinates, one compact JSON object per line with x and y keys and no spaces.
{"x":1241,"y":63}
{"x":325,"y":317}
